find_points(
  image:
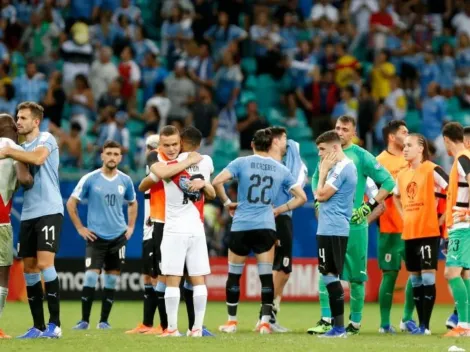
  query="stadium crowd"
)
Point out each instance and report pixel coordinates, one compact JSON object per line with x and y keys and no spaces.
{"x":122,"y":69}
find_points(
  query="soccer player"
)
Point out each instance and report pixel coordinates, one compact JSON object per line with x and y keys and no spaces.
{"x":260,"y":178}
{"x":41,"y":219}
{"x":416,"y":201}
{"x":12,"y":173}
{"x":355,"y":266}
{"x":458,"y":224}
{"x":335,"y":191}
{"x":391,"y":248}
{"x":106,"y":234}
{"x":187,"y":184}
{"x":287,"y":152}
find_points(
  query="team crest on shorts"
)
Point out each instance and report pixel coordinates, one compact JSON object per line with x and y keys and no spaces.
{"x":87,"y":262}
{"x":285,"y":261}
{"x":121,"y":189}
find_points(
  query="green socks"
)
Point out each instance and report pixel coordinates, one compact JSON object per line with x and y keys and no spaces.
{"x":467,"y":285}
{"x":409,"y":302}
{"x":459,"y":291}
{"x":387,"y":286}
{"x":324,"y":300}
{"x":357,"y":301}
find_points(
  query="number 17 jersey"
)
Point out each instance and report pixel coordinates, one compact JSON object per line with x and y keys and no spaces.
{"x":260,"y":179}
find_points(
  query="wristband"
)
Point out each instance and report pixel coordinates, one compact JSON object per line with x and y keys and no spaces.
{"x":372,"y":203}
{"x":153,"y":177}
{"x":227,"y":202}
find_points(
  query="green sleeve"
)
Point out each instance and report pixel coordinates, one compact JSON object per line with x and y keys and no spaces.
{"x":315,"y":180}
{"x":380,"y":175}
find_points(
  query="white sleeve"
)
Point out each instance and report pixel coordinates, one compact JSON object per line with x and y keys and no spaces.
{"x":371,"y":188}
{"x":396,"y":189}
{"x":135,"y":73}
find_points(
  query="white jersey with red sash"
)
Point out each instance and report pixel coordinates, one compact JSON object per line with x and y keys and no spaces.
{"x":8,"y":181}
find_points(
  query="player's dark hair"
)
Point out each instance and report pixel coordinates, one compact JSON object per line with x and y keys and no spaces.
{"x":36,"y":110}
{"x":262,"y":140}
{"x":192,"y":136}
{"x":168,"y":130}
{"x":347,"y":119}
{"x":391,"y":128}
{"x":8,"y":127}
{"x":454,"y":131}
{"x":328,"y":137}
{"x":466,"y":131}
{"x":111,"y":144}
{"x":424,"y":143}
{"x":277,"y":131}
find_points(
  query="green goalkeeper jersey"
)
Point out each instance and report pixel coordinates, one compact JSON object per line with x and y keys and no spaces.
{"x":367,"y":166}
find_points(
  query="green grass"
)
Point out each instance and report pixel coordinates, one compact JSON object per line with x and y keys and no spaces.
{"x":297,"y":316}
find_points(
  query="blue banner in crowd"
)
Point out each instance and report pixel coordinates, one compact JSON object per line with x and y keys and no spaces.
{"x":73,"y":246}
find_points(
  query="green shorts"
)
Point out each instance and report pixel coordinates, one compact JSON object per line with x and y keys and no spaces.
{"x":458,"y":251}
{"x":355,"y":264}
{"x":391,"y":251}
{"x":6,"y":245}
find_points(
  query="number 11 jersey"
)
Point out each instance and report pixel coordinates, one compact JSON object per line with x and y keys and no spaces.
{"x":260,"y":179}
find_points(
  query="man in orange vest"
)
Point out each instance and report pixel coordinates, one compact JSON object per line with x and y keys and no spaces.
{"x":458,"y":224}
{"x":416,"y":201}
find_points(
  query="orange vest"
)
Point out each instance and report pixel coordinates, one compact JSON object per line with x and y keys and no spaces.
{"x":420,"y":218}
{"x":157,"y":197}
{"x":453,"y":189}
{"x":390,"y":221}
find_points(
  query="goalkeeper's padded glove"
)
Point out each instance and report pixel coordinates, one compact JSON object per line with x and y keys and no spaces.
{"x":361,"y":213}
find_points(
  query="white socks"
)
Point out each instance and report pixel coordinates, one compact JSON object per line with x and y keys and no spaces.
{"x":200,"y":303}
{"x":172,"y":302}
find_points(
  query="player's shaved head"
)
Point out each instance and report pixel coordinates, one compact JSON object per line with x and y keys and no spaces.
{"x":8,"y":127}
{"x":191,"y":138}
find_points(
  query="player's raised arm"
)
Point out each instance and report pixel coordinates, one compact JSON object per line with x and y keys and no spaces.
{"x":167,"y":170}
{"x":36,"y":157}
{"x":23,"y":175}
{"x":326,"y":188}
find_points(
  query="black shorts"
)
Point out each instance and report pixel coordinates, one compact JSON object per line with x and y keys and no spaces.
{"x":39,"y":234}
{"x":283,"y":256}
{"x":151,"y":254}
{"x":105,"y":254}
{"x":331,"y":254}
{"x":258,"y":241}
{"x":422,"y":254}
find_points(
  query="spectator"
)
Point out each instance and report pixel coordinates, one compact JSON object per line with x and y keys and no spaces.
{"x":5,"y":73}
{"x":347,"y":67}
{"x":131,"y":12}
{"x":24,"y":9}
{"x":8,"y":11}
{"x":102,"y":73}
{"x":105,"y":33}
{"x":201,"y":70}
{"x":203,"y":18}
{"x":325,"y":95}
{"x":143,"y":46}
{"x":348,"y":104}
{"x":31,"y":86}
{"x":289,"y":35}
{"x":227,"y":82}
{"x":174,"y":35}
{"x":291,"y":7}
{"x":169,"y":5}
{"x":70,"y":146}
{"x":126,"y":32}
{"x":329,"y":58}
{"x":381,"y":23}
{"x":157,"y":108}
{"x":152,"y":74}
{"x":247,"y":126}
{"x":463,"y":58}
{"x":324,"y":10}
{"x":382,"y":72}
{"x":447,"y":69}
{"x":461,"y":21}
{"x":223,"y":33}
{"x":429,"y":72}
{"x":87,"y":11}
{"x":181,"y":91}
{"x":49,"y":11}
{"x":361,"y":11}
{"x":366,"y":115}
{"x":110,"y":5}
{"x":204,"y":116}
{"x":82,"y":103}
{"x":113,"y":97}
{"x":129,"y":72}
{"x":54,"y":100}
{"x":422,"y":27}
{"x":77,"y":54}
{"x":152,"y":122}
{"x":395,"y":103}
{"x":7,"y":99}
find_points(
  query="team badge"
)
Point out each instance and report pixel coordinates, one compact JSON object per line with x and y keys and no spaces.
{"x":121,"y":189}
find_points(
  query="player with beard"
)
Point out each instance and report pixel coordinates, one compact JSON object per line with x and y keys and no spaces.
{"x":106,"y":234}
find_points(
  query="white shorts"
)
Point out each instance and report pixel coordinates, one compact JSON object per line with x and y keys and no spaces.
{"x":178,"y":250}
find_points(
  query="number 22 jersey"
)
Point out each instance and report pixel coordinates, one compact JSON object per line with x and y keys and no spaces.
{"x":260,"y":179}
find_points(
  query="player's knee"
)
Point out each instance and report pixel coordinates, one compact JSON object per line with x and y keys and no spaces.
{"x":43,"y":264}
{"x":32,"y":278}
{"x":451,"y":273}
{"x":234,"y":274}
{"x":91,"y":278}
{"x":429,"y":278}
{"x":416,"y":280}
{"x":110,"y":281}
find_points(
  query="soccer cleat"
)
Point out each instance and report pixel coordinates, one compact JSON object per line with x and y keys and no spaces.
{"x":388,"y":329}
{"x":421,"y":331}
{"x":230,"y":327}
{"x":275,"y":327}
{"x":52,"y":332}
{"x":155,"y":331}
{"x":3,"y":335}
{"x":206,"y":333}
{"x":32,"y":333}
{"x":264,"y":328}
{"x":458,"y":331}
{"x":408,"y":326}
{"x":335,"y":332}
{"x":103,"y":325}
{"x":82,"y":325}
{"x":195,"y":333}
{"x":452,"y":321}
{"x":322,"y":327}
{"x":352,"y":330}
{"x":140,"y":329}
{"x":171,"y":333}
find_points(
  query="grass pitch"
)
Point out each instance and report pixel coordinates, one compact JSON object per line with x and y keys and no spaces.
{"x":296,"y":316}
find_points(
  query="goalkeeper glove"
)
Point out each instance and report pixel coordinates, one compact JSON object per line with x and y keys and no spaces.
{"x":360,"y":214}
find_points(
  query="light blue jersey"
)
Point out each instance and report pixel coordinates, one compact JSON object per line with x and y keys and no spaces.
{"x":334,"y":214}
{"x":44,"y":197}
{"x":260,"y":179}
{"x":105,"y":202}
{"x":298,"y":170}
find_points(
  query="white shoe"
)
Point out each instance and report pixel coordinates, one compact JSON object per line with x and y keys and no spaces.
{"x":174,"y":333}
{"x":229,"y":327}
{"x":427,"y":332}
{"x":196,"y":333}
{"x":275,"y":327}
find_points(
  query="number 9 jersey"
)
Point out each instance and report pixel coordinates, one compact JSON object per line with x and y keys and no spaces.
{"x":260,"y":179}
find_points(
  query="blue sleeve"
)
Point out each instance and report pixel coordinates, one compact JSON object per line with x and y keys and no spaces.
{"x":337,"y":177}
{"x":82,"y":188}
{"x":288,"y":181}
{"x":443,"y":110}
{"x":235,"y":32}
{"x":234,"y":167}
{"x":129,"y":195}
{"x":48,"y":141}
{"x":210,"y":32}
